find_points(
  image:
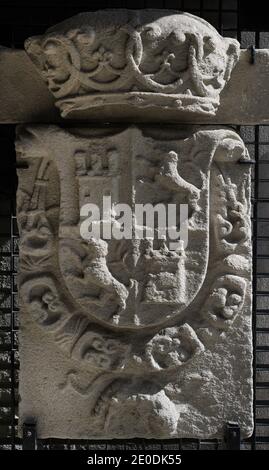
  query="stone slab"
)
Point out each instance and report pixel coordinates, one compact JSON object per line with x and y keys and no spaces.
{"x":129,"y":338}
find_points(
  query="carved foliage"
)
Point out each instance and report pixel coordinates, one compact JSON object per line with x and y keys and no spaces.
{"x":130,"y":312}
{"x":131,"y":52}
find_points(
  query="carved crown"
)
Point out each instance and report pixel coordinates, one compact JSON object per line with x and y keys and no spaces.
{"x":141,"y":58}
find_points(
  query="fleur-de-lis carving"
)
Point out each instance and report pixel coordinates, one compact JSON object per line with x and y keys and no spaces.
{"x":103,"y":56}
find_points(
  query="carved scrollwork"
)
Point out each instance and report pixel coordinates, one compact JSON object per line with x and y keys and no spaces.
{"x":173,"y":348}
{"x":225,"y":301}
{"x":100,"y":351}
{"x":47,"y":306}
{"x":176,"y":54}
{"x":232,"y":224}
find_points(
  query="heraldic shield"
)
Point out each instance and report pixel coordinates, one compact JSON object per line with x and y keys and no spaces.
{"x":134,"y":308}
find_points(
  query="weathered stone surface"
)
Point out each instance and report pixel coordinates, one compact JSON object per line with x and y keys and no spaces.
{"x":126,"y":338}
{"x":165,"y":60}
{"x":25,"y":97}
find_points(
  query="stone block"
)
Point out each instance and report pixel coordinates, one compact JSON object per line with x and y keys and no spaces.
{"x":124,"y":338}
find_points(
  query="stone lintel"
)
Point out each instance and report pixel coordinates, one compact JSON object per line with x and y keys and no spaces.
{"x":25,"y":97}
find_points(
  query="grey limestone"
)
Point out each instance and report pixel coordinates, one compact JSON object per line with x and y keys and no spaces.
{"x":127,"y":338}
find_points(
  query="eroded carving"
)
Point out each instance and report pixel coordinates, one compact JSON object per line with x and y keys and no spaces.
{"x":225,"y":300}
{"x":232,"y":221}
{"x":132,"y":319}
{"x":141,"y":58}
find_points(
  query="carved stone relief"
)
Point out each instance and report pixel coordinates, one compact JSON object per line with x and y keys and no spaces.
{"x":133,"y":328}
{"x":118,"y":59}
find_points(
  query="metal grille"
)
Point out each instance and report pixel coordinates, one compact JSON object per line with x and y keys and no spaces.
{"x":19,"y":22}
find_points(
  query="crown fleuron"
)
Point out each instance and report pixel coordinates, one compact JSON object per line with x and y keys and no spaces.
{"x":110,"y":62}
